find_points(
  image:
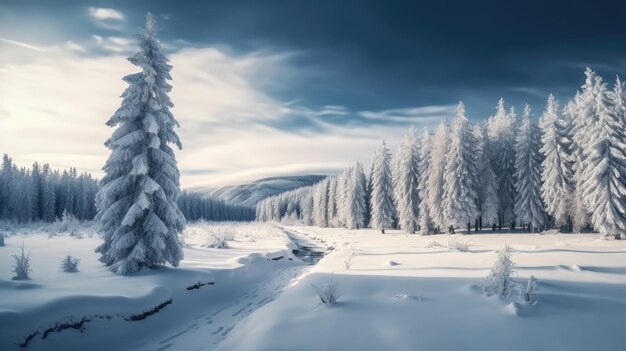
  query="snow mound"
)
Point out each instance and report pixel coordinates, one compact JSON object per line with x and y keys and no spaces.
{"x":411,"y":297}
{"x":390,"y":264}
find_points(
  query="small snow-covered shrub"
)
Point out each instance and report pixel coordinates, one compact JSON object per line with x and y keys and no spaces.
{"x":70,"y":264}
{"x":327,"y":292}
{"x":432,"y":244}
{"x":1,"y":239}
{"x":22,"y":265}
{"x":216,"y":242}
{"x":500,"y":279}
{"x":347,"y":263}
{"x":414,"y":297}
{"x":458,"y":245}
{"x":531,"y":286}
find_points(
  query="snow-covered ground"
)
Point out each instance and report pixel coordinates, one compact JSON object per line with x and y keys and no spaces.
{"x":410,"y":292}
{"x":210,"y":291}
{"x":402,"y":292}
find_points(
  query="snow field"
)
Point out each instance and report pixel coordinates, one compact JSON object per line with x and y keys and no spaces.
{"x":432,"y":298}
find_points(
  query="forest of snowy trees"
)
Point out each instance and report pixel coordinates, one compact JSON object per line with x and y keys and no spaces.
{"x":567,"y":172}
{"x":197,"y":206}
{"x":43,"y":194}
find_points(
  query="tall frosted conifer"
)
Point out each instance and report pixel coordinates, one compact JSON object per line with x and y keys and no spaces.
{"x":460,"y":177}
{"x":528,"y":158}
{"x":426,"y":221}
{"x":137,"y":207}
{"x":557,"y":188}
{"x":406,"y":182}
{"x":382,"y":205}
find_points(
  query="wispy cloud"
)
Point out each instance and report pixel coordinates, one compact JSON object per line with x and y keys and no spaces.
{"x":107,"y":17}
{"x":22,"y":45}
{"x":230,"y":124}
{"x":411,"y":114}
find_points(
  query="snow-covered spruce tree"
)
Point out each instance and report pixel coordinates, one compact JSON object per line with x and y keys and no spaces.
{"x":501,"y":133}
{"x":436,"y":175}
{"x":355,"y":198}
{"x":604,"y":175}
{"x":460,"y":177}
{"x":406,"y":182}
{"x":332,"y":201}
{"x":137,"y":207}
{"x":580,"y":215}
{"x":488,"y":200}
{"x":320,"y":204}
{"x":425,"y":220}
{"x":383,"y":210}
{"x":583,"y":113}
{"x":500,"y":279}
{"x":529,"y":206}
{"x":557,"y":188}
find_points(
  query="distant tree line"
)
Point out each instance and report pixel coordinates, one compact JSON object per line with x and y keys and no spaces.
{"x":197,"y":206}
{"x":567,"y":172}
{"x":43,"y":194}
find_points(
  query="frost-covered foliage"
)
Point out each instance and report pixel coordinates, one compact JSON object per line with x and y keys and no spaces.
{"x":557,"y":175}
{"x":70,"y":264}
{"x":347,"y":262}
{"x":436,"y":170}
{"x":137,"y":206}
{"x":43,"y":194}
{"x":501,"y":137}
{"x":457,"y":244}
{"x":354,"y":206}
{"x":500,"y":279}
{"x":216,"y":241}
{"x":22,"y":265}
{"x":433,"y":244}
{"x":531,"y":286}
{"x":528,"y":206}
{"x":320,"y":203}
{"x":327,"y":293}
{"x":406,"y":182}
{"x":460,"y":177}
{"x":382,"y":204}
{"x":604,"y":174}
{"x":488,"y":199}
{"x":425,"y":219}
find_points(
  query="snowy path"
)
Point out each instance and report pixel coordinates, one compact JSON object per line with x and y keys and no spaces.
{"x":208,"y":329}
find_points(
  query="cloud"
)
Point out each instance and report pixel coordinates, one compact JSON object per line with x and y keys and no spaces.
{"x":104,"y":14}
{"x":55,"y":106}
{"x":107,"y":17}
{"x":22,"y":45}
{"x":411,"y":114}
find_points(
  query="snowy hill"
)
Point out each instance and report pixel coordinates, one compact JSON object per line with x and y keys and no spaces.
{"x":250,"y":194}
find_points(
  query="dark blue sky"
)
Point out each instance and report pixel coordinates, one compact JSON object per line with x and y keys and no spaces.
{"x":376,"y":55}
{"x":325,"y":79}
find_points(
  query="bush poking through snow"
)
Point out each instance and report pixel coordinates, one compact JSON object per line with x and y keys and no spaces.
{"x":1,"y":239}
{"x":70,"y":264}
{"x":327,"y":292}
{"x":531,"y":286}
{"x":216,"y":241}
{"x":22,"y":265}
{"x":433,"y":244}
{"x":347,"y":263}
{"x":458,"y":245}
{"x":500,"y":281}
